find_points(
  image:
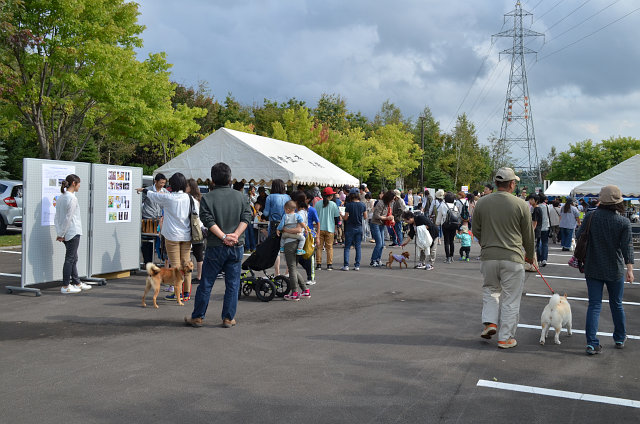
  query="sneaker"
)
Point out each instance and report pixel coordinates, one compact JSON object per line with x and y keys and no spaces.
{"x":544,"y":263}
{"x":70,"y":289}
{"x":193,"y":322}
{"x":419,"y":266}
{"x":172,"y":297}
{"x":428,"y":267}
{"x":329,"y":267}
{"x":344,"y":268}
{"x":295,"y":296}
{"x":168,"y":289}
{"x":300,"y":252}
{"x":620,"y":345}
{"x":461,"y":258}
{"x":318,"y":267}
{"x":393,"y":245}
{"x":489,"y":330}
{"x":305,"y":294}
{"x":593,"y":350}
{"x":186,"y":296}
{"x":467,"y":259}
{"x":446,"y":260}
{"x":506,"y":344}
{"x":311,"y":282}
{"x":357,"y":268}
{"x":83,"y":286}
{"x":228,"y":323}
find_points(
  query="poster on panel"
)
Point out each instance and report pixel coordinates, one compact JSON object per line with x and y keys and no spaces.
{"x":119,"y":192}
{"x":52,"y":177}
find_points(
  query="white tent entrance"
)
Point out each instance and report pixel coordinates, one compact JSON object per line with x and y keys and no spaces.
{"x":561,"y":188}
{"x":258,"y":159}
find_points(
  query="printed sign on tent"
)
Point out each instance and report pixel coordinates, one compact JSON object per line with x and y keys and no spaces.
{"x":52,"y":177}
{"x":119,"y":193}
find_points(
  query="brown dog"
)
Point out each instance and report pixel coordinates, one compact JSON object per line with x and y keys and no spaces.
{"x":402,"y":259}
{"x":171,"y":276}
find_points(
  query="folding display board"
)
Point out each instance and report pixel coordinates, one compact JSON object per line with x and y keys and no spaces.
{"x":42,"y":255}
{"x":116,"y":212}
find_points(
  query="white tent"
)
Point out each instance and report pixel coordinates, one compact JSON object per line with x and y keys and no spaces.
{"x":259,"y":159}
{"x":625,"y":175}
{"x":561,"y":188}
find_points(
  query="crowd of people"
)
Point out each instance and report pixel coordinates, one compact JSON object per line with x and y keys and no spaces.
{"x":513,"y":232}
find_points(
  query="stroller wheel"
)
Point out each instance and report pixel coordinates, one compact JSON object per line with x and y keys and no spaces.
{"x":265,"y":290}
{"x":282,"y":285}
{"x":247,"y":287}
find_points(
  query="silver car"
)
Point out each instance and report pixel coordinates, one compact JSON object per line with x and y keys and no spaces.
{"x":10,"y":204}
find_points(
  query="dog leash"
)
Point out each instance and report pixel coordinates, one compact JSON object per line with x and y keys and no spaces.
{"x":542,"y":276}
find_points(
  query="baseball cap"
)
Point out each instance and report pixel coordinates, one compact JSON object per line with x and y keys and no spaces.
{"x":506,"y":174}
{"x":610,"y":195}
{"x":328,"y":191}
{"x":354,"y":190}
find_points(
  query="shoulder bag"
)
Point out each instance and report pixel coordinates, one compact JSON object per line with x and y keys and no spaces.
{"x":580,"y":252}
{"x":196,"y":231}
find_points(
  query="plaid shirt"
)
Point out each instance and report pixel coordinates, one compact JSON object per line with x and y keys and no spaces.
{"x":609,"y":246}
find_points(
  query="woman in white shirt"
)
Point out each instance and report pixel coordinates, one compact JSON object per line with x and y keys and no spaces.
{"x":68,"y":230}
{"x":176,"y":226}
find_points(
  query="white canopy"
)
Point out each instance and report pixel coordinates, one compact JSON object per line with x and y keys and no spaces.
{"x":625,"y":175}
{"x":561,"y":188}
{"x":259,"y":159}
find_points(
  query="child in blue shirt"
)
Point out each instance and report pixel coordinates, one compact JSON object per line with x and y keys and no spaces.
{"x":465,"y":243}
{"x":291,"y":220}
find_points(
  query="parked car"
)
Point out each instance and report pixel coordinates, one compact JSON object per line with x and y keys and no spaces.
{"x":10,"y":204}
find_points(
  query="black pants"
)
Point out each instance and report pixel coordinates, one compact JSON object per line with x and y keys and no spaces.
{"x":306,"y":264}
{"x":70,"y":268}
{"x":147,"y":249}
{"x":449,"y":235}
{"x":464,"y":251}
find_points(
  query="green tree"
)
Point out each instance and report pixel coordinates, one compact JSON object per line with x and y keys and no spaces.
{"x":331,"y":111}
{"x":394,"y":151}
{"x":240,"y":126}
{"x":199,"y":97}
{"x":69,"y":68}
{"x":391,"y":114}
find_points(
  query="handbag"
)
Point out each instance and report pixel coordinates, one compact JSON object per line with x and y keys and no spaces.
{"x":309,"y":244}
{"x":580,"y":252}
{"x":194,"y":223}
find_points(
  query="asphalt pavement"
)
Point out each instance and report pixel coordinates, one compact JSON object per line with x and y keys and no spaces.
{"x":370,"y":346}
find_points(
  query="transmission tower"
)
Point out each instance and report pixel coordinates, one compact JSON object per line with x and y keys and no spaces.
{"x":516,"y":135}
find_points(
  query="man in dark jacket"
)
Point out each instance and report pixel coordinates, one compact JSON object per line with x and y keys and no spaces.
{"x":225,"y":213}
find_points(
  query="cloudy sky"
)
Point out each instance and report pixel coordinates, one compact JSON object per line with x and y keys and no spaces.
{"x":414,"y":53}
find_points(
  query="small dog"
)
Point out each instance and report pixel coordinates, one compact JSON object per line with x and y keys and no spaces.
{"x":556,"y":314}
{"x":402,"y":259}
{"x":171,"y":276}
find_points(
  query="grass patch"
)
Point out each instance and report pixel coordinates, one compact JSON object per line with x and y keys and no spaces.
{"x":11,"y":240}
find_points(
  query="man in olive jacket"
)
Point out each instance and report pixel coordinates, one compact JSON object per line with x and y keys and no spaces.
{"x":225,"y":213}
{"x":502,"y":224}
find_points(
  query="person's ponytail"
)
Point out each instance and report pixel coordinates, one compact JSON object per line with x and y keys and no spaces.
{"x":68,"y":182}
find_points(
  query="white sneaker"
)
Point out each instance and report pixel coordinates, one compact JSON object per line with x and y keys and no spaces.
{"x":70,"y":289}
{"x":83,"y":286}
{"x":344,"y":268}
{"x":311,"y":282}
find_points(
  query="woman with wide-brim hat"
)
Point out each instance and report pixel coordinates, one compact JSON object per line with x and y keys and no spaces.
{"x":609,"y":252}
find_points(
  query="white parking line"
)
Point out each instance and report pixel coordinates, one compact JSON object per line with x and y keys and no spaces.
{"x":559,"y":393}
{"x":550,"y":263}
{"x":575,"y":278}
{"x":2,"y":274}
{"x":10,"y":251}
{"x":584,"y":299}
{"x":573,"y":330}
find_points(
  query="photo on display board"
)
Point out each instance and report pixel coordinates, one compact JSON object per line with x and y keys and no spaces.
{"x":110,"y":202}
{"x":120,"y":214}
{"x":112,"y":175}
{"x":125,"y":186}
{"x":113,"y":216}
{"x":126,"y":216}
{"x":53,"y":182}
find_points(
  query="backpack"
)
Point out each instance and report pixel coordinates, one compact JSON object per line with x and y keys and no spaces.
{"x":465,"y":211}
{"x":453,"y":219}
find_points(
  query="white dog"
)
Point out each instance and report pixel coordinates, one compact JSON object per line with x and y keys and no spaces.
{"x":556,"y":314}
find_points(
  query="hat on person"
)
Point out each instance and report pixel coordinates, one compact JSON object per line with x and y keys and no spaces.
{"x":354,"y":190}
{"x":464,"y":229}
{"x":610,"y":195}
{"x":328,"y":191}
{"x":397,"y":192}
{"x":506,"y":174}
{"x":440,"y":194}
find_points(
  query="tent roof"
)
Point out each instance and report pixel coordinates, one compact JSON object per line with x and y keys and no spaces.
{"x":561,"y":188}
{"x":261,"y":159}
{"x":625,"y":175}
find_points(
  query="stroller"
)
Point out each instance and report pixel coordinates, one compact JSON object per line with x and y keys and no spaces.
{"x":261,"y":259}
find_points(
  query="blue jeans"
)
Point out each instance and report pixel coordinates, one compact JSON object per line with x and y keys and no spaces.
{"x":353,"y":237}
{"x":398,"y":228}
{"x":216,"y":259}
{"x":542,"y":249}
{"x":250,"y":238}
{"x":378,"y":235}
{"x":566,"y":235}
{"x":615,"y":290}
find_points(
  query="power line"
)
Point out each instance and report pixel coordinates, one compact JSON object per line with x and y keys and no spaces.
{"x":545,"y":13}
{"x":588,"y":35}
{"x":583,"y":21}
{"x":537,"y":4}
{"x":570,"y":13}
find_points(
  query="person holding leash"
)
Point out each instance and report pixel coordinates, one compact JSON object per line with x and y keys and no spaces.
{"x":502,"y":224}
